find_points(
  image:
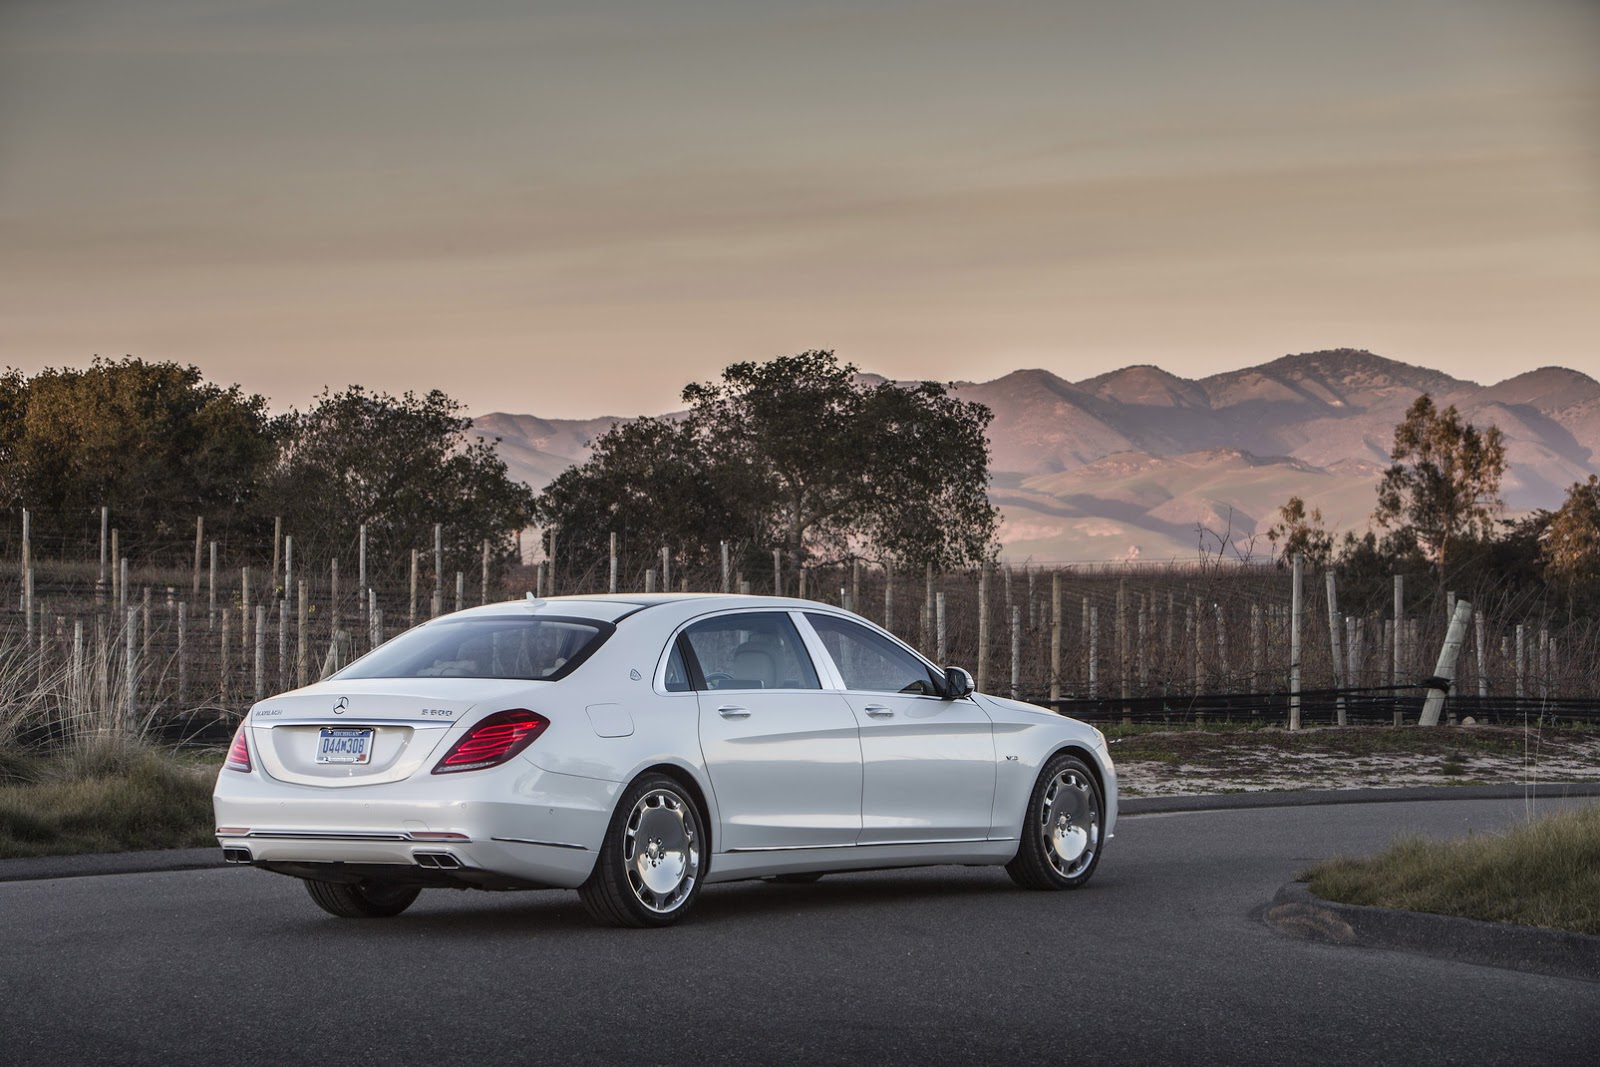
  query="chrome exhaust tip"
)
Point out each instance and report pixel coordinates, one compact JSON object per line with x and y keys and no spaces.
{"x":438,"y":861}
{"x":235,"y":854}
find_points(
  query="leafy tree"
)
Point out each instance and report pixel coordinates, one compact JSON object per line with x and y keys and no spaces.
{"x":399,"y":465}
{"x":1444,"y":484}
{"x":800,"y":454}
{"x":652,"y":482}
{"x":154,"y":442}
{"x":1571,"y":547}
{"x":1302,"y":533}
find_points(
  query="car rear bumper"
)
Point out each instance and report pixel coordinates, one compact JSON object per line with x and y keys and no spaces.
{"x":520,"y":825}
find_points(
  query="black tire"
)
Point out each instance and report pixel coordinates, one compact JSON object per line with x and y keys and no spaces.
{"x":1063,"y":828}
{"x":805,"y":878}
{"x":363,"y":900}
{"x":653,"y":860}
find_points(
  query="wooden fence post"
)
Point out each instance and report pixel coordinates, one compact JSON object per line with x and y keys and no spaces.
{"x":199,"y":545}
{"x":1294,"y":642}
{"x":1483,"y":670}
{"x":1339,"y":676}
{"x":261,"y":651}
{"x":939,"y":620}
{"x":1055,"y":635}
{"x":983,"y":628}
{"x":1446,"y":668}
{"x":302,"y":649}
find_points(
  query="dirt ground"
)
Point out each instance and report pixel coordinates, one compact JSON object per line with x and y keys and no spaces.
{"x":1173,"y":763}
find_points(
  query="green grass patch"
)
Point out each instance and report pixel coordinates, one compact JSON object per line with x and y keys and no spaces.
{"x":1542,"y":873}
{"x":110,"y":798}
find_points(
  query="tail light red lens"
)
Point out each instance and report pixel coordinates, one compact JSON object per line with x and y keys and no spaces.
{"x":239,"y":752}
{"x":493,"y":741}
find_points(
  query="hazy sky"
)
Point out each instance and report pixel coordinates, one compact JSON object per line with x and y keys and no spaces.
{"x":571,"y":209}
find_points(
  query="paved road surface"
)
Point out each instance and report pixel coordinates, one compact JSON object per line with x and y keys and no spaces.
{"x":1163,"y":959}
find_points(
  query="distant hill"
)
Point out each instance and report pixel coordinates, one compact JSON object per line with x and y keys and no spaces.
{"x":1132,"y":463}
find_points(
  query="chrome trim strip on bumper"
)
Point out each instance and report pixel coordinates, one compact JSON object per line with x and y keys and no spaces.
{"x":349,"y":835}
{"x":547,"y":844}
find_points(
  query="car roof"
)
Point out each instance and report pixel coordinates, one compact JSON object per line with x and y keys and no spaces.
{"x":612,"y":607}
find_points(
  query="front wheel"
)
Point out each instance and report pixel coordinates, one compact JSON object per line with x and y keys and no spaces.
{"x":653,"y":859}
{"x":1062,"y":829}
{"x":362,"y":900}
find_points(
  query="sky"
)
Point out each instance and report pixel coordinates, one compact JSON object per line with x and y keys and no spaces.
{"x":573,"y":209}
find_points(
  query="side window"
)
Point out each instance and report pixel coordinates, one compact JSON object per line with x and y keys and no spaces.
{"x":677,"y":674}
{"x":871,"y":662}
{"x":760,"y":650}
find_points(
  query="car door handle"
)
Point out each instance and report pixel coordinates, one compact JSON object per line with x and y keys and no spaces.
{"x":733,"y":711}
{"x":878,"y":711}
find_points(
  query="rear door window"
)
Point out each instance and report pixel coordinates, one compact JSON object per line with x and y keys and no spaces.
{"x":755,"y":650}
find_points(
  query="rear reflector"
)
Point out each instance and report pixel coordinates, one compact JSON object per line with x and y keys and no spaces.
{"x":239,"y":752}
{"x":493,"y":741}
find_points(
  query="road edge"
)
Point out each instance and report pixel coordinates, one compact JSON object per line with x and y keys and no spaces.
{"x":1297,"y":912}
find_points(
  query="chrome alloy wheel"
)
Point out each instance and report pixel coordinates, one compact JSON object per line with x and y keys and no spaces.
{"x":660,"y":851}
{"x":1071,"y":823}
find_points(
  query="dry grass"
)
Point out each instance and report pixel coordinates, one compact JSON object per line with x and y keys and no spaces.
{"x":1543,"y":873}
{"x":114,"y":797}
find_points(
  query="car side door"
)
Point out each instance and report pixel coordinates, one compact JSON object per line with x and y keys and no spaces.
{"x":783,"y":753}
{"x":928,"y":764}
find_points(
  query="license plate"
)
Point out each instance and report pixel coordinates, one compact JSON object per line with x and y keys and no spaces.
{"x":336,"y":744}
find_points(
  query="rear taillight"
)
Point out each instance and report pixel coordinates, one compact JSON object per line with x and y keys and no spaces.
{"x":493,"y":741}
{"x":239,"y":752}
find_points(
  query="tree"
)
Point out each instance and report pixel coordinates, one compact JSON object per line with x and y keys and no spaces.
{"x":398,"y":465}
{"x":1302,"y":533}
{"x":800,"y":454}
{"x":1571,"y":547}
{"x":154,"y":442}
{"x":1444,"y":484}
{"x":652,"y":482}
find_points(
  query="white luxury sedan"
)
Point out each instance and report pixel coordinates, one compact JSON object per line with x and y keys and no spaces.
{"x":635,"y":748}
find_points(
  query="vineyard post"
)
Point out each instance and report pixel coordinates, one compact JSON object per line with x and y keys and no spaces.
{"x":1094,"y":649}
{"x":939,"y":622}
{"x":116,"y":587}
{"x":131,"y":699}
{"x":211,"y":611}
{"x":78,"y":680}
{"x":983,"y":628}
{"x":1445,"y":670}
{"x":1123,"y":646}
{"x":650,"y":580}
{"x":613,"y":581}
{"x":223,"y":645}
{"x":288,"y":566}
{"x":1294,"y":642}
{"x":411,"y":610}
{"x":1222,"y":647}
{"x":777,"y":572}
{"x":744,"y":587}
{"x":483,"y":594}
{"x":1352,"y":649}
{"x":261,"y":651}
{"x":277,"y":546}
{"x":1483,"y":672}
{"x":436,"y":602}
{"x":284,"y":604}
{"x":927,"y":610}
{"x":888,"y":596}
{"x":199,"y":545}
{"x":1340,"y":678}
{"x":666,"y":569}
{"x":1522,"y":660}
{"x":1016,"y":652}
{"x":100,"y":583}
{"x":1399,"y":639}
{"x":1144,"y":643}
{"x":244,"y":611}
{"x":726,"y":573}
{"x":1055,"y":635}
{"x":302,"y":650}
{"x":461,"y":595}
{"x":855,"y":583}
{"x":183,"y":647}
{"x":122,"y":576}
{"x":361,"y":568}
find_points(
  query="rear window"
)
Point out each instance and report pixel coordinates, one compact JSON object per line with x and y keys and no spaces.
{"x":536,"y":649}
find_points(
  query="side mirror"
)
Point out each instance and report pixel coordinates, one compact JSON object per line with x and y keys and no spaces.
{"x":957,"y":683}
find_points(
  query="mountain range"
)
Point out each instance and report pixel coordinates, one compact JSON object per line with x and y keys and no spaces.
{"x":1142,"y":463}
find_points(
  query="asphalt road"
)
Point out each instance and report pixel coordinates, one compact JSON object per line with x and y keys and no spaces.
{"x":1162,"y":959}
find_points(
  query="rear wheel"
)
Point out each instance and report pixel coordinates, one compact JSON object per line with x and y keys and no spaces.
{"x":1062,"y":829}
{"x":362,"y":900}
{"x":653,"y":859}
